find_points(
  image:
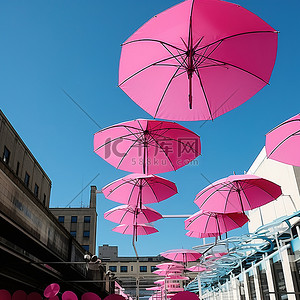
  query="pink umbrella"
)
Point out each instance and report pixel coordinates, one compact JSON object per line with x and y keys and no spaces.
{"x":170,"y":266}
{"x":5,"y":295}
{"x":201,"y":235}
{"x":177,"y":277}
{"x":69,"y":295}
{"x":197,"y":268}
{"x":197,"y":60}
{"x":160,"y":282}
{"x":166,"y":272}
{"x":147,"y":146}
{"x":237,"y":193}
{"x":283,"y":142}
{"x":185,"y":296}
{"x":139,"y":229}
{"x":126,"y":214}
{"x":51,"y":290}
{"x":183,"y":255}
{"x":139,"y":188}
{"x":211,"y":222}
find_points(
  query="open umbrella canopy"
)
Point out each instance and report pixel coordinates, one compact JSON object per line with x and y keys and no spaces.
{"x":147,"y":146}
{"x":139,"y":229}
{"x":197,"y":60}
{"x":166,"y":272}
{"x":197,"y":268}
{"x":201,"y":235}
{"x":126,"y":214}
{"x":237,"y":193}
{"x":283,"y":142}
{"x":153,"y":288}
{"x":183,"y":255}
{"x":137,"y":189}
{"x":170,"y":266}
{"x":211,"y":222}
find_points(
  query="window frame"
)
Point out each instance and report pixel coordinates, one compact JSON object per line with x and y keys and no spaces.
{"x":6,"y":155}
{"x":143,"y":269}
{"x":123,"y":268}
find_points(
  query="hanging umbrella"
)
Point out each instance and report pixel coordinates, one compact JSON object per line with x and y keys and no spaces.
{"x":126,"y":214}
{"x":166,"y":272}
{"x":183,"y":255}
{"x":197,"y":268}
{"x":283,"y":142}
{"x":139,"y":229}
{"x":197,"y":60}
{"x":147,"y":146}
{"x":170,"y":266}
{"x":211,"y":222}
{"x":177,"y":277}
{"x":237,"y":193}
{"x":201,"y":235}
{"x":139,"y":189}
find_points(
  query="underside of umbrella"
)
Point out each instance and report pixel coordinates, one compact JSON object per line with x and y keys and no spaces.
{"x":283,"y":142}
{"x":197,"y":60}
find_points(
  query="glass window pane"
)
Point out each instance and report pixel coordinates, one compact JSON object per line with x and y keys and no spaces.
{"x":123,"y":268}
{"x":87,"y":219}
{"x":61,"y":219}
{"x":74,"y":219}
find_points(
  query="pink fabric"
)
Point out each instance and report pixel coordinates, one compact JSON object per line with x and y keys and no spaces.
{"x":90,"y":296}
{"x":201,"y":235}
{"x":34,"y":296}
{"x":237,"y":193}
{"x":139,"y":189}
{"x":147,"y":146}
{"x":114,"y":297}
{"x":183,"y":255}
{"x":69,"y":295}
{"x":135,"y":229}
{"x":170,"y":266}
{"x":166,"y":272}
{"x":19,"y":295}
{"x":210,"y":222}
{"x":185,"y":296}
{"x":234,"y":52}
{"x":196,"y":268}
{"x":126,"y":214}
{"x":5,"y":295}
{"x":283,"y":142}
{"x":51,"y":290}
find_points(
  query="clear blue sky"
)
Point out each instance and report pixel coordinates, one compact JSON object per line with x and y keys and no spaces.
{"x":47,"y":46}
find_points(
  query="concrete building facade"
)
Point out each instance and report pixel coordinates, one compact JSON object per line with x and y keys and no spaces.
{"x":81,"y":222}
{"x":35,"y":249}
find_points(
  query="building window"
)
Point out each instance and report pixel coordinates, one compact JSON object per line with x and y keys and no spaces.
{"x":86,"y":247}
{"x":61,"y":219}
{"x":131,"y":268}
{"x":86,"y":233}
{"x":73,"y":233}
{"x":74,"y":219}
{"x":44,"y":201}
{"x":154,"y":268}
{"x":123,"y":269}
{"x":36,"y":190}
{"x":143,"y":268}
{"x":87,"y":219}
{"x":6,"y":155}
{"x":113,"y":268}
{"x":18,"y":167}
{"x":26,"y":179}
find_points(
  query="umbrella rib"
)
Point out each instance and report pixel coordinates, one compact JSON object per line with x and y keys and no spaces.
{"x":159,"y":146}
{"x":152,"y":191}
{"x":239,"y":68}
{"x":204,"y":93}
{"x":165,"y":91}
{"x":125,"y":154}
{"x":283,"y":123}
{"x":181,"y":54}
{"x":284,"y":140}
{"x":243,"y":190}
{"x":153,"y":40}
{"x":202,"y":56}
{"x":235,"y":35}
{"x":115,"y":188}
{"x":147,"y":67}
